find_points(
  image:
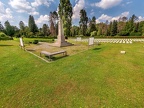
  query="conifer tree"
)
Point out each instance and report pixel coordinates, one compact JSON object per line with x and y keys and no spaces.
{"x":31,"y":23}
{"x":83,"y":22}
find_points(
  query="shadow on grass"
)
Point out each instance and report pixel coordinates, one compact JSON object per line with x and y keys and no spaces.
{"x":5,"y":45}
{"x":54,"y":58}
{"x":96,"y":48}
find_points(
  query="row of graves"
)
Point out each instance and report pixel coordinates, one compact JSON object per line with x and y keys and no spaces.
{"x":105,"y":40}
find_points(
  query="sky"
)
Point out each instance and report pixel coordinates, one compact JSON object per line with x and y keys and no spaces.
{"x":19,"y":10}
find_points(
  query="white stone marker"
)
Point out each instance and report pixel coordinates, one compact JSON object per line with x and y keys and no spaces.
{"x":122,"y":52}
{"x":91,"y":41}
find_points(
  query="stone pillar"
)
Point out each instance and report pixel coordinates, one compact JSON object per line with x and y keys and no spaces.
{"x":61,"y":38}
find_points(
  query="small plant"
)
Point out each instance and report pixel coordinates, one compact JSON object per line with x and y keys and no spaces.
{"x":35,"y":42}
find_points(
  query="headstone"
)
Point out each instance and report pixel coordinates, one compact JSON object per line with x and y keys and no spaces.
{"x":78,"y":39}
{"x":21,"y":42}
{"x":122,"y":52}
{"x":91,"y":41}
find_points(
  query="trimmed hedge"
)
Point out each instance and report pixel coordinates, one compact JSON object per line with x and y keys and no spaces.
{"x":3,"y":36}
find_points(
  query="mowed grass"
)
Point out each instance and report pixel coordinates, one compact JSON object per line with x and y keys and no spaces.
{"x":98,"y":77}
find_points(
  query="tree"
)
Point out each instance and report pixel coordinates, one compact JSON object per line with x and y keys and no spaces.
{"x":21,"y":25}
{"x":22,"y":28}
{"x":9,"y":29}
{"x":74,"y":30}
{"x":123,"y":19}
{"x":1,"y":27}
{"x":114,"y":28}
{"x":131,"y":22}
{"x":83,"y":22}
{"x":45,"y":30}
{"x":65,"y":13}
{"x":31,"y":23}
{"x":53,"y":24}
{"x":92,"y":24}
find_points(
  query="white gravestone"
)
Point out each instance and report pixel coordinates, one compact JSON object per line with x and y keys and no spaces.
{"x":122,"y":52}
{"x":78,"y":39}
{"x":91,"y":41}
{"x":21,"y":42}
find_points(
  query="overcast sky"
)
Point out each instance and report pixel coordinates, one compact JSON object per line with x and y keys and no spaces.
{"x":19,"y":10}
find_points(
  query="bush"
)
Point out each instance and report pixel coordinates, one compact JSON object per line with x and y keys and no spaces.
{"x":94,"y":33}
{"x":3,"y":36}
{"x":135,"y":34}
{"x":30,"y":34}
{"x":35,"y":42}
{"x":123,"y":33}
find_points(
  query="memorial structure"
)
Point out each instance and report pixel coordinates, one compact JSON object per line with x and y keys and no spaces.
{"x":61,"y":38}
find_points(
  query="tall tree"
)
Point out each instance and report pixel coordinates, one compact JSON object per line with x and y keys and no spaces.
{"x":65,"y":13}
{"x":9,"y":29}
{"x":74,"y":30}
{"x":53,"y":24}
{"x":114,"y":28}
{"x":83,"y":22}
{"x":22,"y":28}
{"x":92,"y":24}
{"x":1,"y":27}
{"x":45,"y":30}
{"x":21,"y":25}
{"x":31,"y":23}
{"x":131,"y":22}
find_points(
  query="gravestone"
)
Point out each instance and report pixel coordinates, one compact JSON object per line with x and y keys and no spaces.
{"x":60,"y":42}
{"x":21,"y":42}
{"x":91,"y":41}
{"x":78,"y":39}
{"x":122,"y":52}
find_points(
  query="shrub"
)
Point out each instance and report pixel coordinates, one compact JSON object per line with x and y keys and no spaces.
{"x":94,"y":33}
{"x":3,"y":36}
{"x":135,"y":34}
{"x":123,"y":33}
{"x":35,"y":42}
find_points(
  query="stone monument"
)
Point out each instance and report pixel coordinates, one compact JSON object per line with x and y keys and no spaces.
{"x":61,"y":38}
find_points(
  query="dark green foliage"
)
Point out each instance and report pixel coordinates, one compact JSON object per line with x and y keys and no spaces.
{"x":83,"y":22}
{"x":21,"y":25}
{"x":45,"y":30}
{"x":74,"y":30}
{"x":65,"y":13}
{"x":3,"y":36}
{"x":135,"y":34}
{"x":123,"y":33}
{"x":31,"y":23}
{"x":92,"y":24}
{"x":35,"y":42}
{"x":114,"y":28}
{"x":10,"y":30}
{"x":131,"y":22}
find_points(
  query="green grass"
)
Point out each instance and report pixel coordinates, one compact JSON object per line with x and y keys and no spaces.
{"x":98,"y":77}
{"x":31,"y":40}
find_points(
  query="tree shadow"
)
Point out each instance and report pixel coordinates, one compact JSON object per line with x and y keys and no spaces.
{"x":5,"y":45}
{"x":96,"y":48}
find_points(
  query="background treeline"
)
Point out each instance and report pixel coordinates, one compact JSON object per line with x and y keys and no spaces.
{"x":87,"y":26}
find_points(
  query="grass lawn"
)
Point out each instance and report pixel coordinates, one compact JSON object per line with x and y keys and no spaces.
{"x":98,"y":77}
